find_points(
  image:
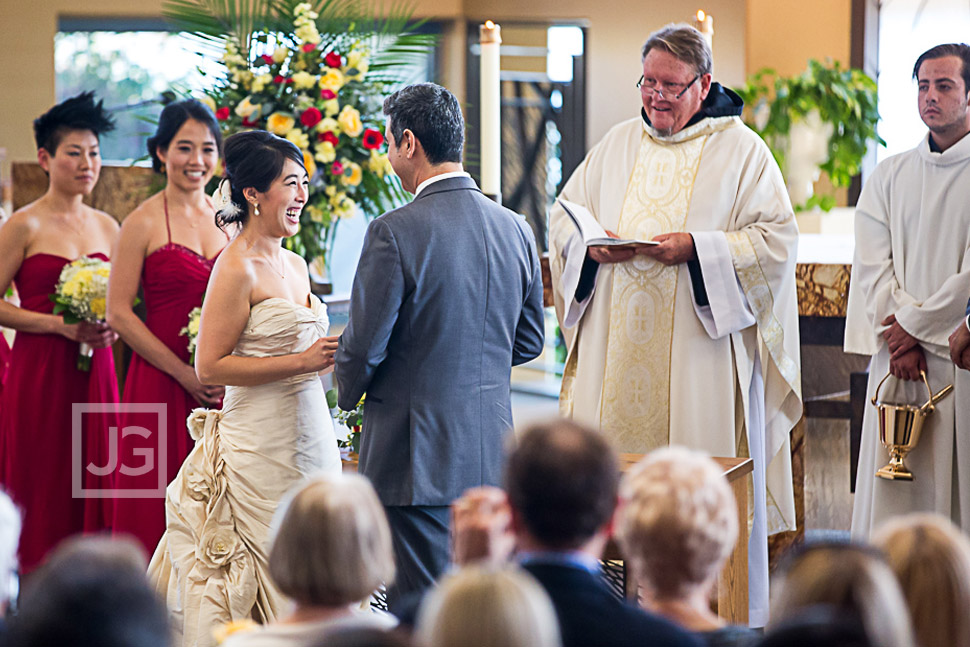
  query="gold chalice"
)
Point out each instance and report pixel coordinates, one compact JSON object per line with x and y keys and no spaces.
{"x":900,"y":426}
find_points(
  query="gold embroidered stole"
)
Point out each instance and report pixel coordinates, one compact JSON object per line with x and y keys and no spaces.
{"x":636,"y":388}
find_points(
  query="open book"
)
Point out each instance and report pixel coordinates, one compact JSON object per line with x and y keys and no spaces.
{"x":592,"y":231}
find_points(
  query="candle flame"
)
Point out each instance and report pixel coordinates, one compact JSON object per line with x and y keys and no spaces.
{"x":489,"y":24}
{"x":701,"y":16}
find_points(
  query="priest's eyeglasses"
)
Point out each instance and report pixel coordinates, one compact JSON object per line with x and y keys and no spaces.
{"x":668,"y":91}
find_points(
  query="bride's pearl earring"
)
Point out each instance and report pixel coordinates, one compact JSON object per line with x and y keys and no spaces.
{"x":255,"y":208}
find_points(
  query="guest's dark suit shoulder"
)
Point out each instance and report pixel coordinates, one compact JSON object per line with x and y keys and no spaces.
{"x":591,"y":616}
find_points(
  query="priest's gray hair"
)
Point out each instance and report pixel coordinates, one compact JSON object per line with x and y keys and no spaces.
{"x":685,"y":43}
{"x":678,"y":521}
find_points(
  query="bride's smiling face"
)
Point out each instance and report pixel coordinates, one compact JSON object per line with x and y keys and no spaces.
{"x":280,"y":206}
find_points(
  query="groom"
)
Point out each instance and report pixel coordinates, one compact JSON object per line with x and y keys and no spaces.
{"x":446,"y":300}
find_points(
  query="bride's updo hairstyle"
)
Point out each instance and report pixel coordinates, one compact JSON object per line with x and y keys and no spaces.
{"x":253,"y":159}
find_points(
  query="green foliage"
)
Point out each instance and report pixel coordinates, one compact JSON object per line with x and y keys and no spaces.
{"x":243,"y":34}
{"x":846,"y":98}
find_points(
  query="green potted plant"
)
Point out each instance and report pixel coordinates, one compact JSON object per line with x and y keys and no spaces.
{"x":820,"y":120}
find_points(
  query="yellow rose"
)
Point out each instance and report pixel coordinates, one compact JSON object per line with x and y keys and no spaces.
{"x":280,"y":123}
{"x":357,"y":65}
{"x":352,"y":173}
{"x":98,"y":307}
{"x":311,"y":166}
{"x":308,"y":33}
{"x":326,"y":153}
{"x":303,"y":80}
{"x":331,"y":190}
{"x":103,"y":272}
{"x":261,"y":81}
{"x":316,"y":214}
{"x":206,"y":100}
{"x":280,"y":54}
{"x":328,"y":124}
{"x":298,"y":137}
{"x":193,"y":326}
{"x":331,"y":107}
{"x":332,"y":79}
{"x":249,"y":110}
{"x":349,"y":120}
{"x":343,"y":207}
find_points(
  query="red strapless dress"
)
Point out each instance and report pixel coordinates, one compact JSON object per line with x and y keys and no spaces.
{"x":39,"y":447}
{"x":173,"y":282}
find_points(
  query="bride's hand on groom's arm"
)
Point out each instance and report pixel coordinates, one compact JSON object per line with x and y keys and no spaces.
{"x":319,"y":356}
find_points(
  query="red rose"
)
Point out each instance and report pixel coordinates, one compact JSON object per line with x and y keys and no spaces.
{"x":328,"y":136}
{"x":308,"y":47}
{"x":337,"y":168}
{"x":327,"y":95}
{"x":311,"y":117}
{"x":372,"y":138}
{"x":333,"y":59}
{"x":267,"y":59}
{"x":249,"y":124}
{"x":222,"y":113}
{"x":281,"y":79}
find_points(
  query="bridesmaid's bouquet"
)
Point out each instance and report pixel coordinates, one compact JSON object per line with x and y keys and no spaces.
{"x":81,"y":295}
{"x":191,"y":330}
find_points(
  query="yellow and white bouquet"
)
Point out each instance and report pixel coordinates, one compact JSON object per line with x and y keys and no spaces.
{"x":191,"y":330}
{"x":315,"y":74}
{"x":81,"y":295}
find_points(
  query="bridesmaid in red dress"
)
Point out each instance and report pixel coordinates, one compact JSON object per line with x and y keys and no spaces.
{"x":167,"y":245}
{"x":43,"y":381}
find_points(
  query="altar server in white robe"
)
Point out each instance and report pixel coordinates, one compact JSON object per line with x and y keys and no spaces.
{"x":693,"y":342}
{"x":909,"y":290}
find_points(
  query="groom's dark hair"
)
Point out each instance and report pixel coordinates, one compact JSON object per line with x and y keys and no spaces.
{"x":432,"y":113}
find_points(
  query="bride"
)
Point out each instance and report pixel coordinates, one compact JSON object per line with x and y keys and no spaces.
{"x":263,"y":334}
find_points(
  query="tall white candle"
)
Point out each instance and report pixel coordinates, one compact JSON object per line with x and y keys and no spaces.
{"x":490,"y":38}
{"x":705,"y":25}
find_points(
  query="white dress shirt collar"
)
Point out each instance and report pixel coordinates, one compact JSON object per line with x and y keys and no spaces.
{"x":436,"y":178}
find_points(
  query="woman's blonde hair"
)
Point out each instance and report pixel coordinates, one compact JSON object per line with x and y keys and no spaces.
{"x":488,"y":608}
{"x":931,"y":559}
{"x":678,"y":520}
{"x":333,"y":546}
{"x":848,"y":579}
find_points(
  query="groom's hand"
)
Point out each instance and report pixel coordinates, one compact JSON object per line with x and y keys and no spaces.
{"x":481,"y":527}
{"x":319,"y":356}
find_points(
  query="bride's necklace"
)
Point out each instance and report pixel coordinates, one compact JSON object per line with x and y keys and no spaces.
{"x":282,"y":266}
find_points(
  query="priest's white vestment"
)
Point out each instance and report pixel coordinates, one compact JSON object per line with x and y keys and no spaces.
{"x":648,"y":365}
{"x":912,"y":233}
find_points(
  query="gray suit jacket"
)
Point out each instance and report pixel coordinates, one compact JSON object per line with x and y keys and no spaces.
{"x":446,"y":299}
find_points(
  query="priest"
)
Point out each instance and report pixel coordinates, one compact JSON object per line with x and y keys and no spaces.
{"x":693,"y":341}
{"x":909,"y":289}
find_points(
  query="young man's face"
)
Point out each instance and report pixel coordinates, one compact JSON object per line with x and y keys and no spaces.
{"x":942,"y":94}
{"x":75,"y":165}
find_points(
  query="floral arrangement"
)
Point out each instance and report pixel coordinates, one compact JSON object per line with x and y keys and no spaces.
{"x":81,"y":295}
{"x":191,"y":330}
{"x":353,"y":420}
{"x":314,"y":81}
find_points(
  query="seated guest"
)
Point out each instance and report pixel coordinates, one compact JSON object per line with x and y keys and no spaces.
{"x":332,"y":550}
{"x":817,"y":626}
{"x":562,"y":482}
{"x":488,"y":608}
{"x":931,"y":560}
{"x":853,"y":582}
{"x":362,"y":637}
{"x":91,"y":592}
{"x":677,"y":526}
{"x":9,"y":538}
